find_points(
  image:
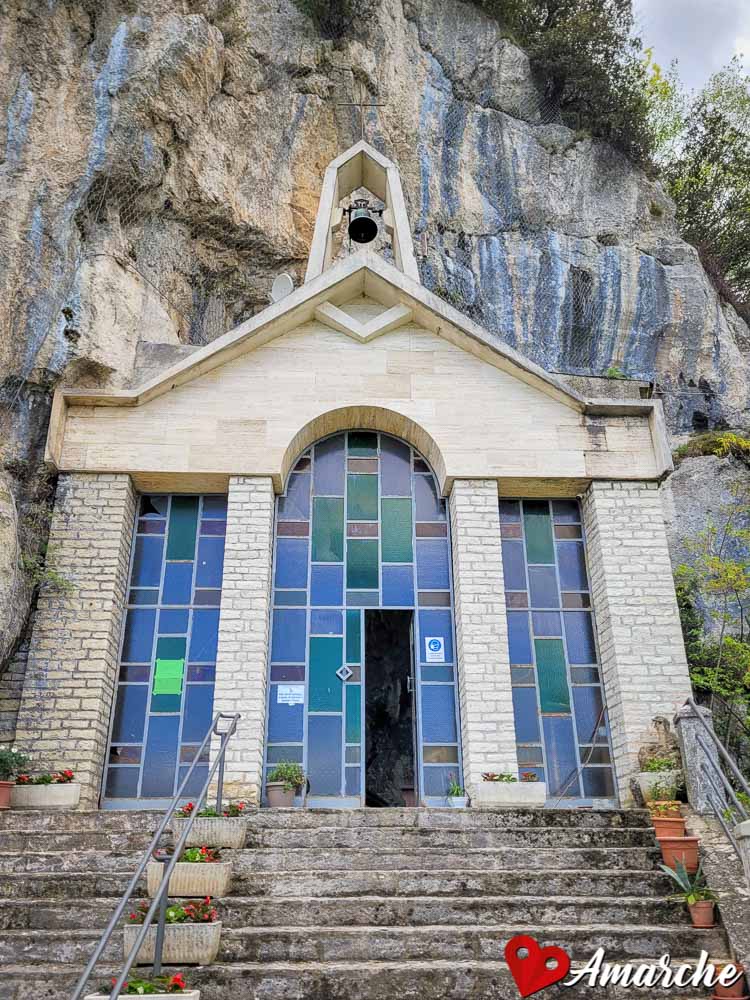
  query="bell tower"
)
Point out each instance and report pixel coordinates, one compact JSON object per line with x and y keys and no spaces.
{"x":361,"y":166}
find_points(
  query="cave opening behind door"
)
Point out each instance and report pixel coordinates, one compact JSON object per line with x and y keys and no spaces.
{"x":389,"y":709}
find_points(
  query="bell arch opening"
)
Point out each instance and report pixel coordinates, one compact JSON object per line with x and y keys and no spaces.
{"x":362,"y":666}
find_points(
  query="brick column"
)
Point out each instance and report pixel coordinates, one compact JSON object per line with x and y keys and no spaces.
{"x":487,"y":731}
{"x":63,"y":718}
{"x":244,"y":630}
{"x":643,"y":661}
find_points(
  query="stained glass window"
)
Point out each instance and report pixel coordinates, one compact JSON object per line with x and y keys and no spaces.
{"x":561,"y":726}
{"x":378,"y":533}
{"x":165,"y":691}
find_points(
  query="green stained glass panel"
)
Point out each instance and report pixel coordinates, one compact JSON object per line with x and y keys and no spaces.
{"x":328,"y":529}
{"x":168,"y":676}
{"x":554,"y":695}
{"x":363,"y":444}
{"x":183,"y":525}
{"x":353,"y":636}
{"x":353,"y":713}
{"x":325,"y":686}
{"x":171,"y":648}
{"x":396,"y":530}
{"x":362,"y":497}
{"x":362,"y":564}
{"x":540,"y":547}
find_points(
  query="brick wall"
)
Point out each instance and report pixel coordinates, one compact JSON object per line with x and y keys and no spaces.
{"x":640,"y":642}
{"x":487,"y":731}
{"x":63,"y":718}
{"x":241,"y":666}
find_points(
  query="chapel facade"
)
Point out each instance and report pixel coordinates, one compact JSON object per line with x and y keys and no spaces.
{"x":402,"y":552}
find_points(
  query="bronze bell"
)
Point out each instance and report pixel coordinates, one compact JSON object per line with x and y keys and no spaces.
{"x":362,"y":226}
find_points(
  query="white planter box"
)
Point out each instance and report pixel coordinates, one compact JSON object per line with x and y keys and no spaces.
{"x":210,"y":879}
{"x":184,"y":944}
{"x":185,"y":995}
{"x":509,"y":795}
{"x":63,"y":796}
{"x":213,"y":831}
{"x":647,"y":780}
{"x":458,"y":801}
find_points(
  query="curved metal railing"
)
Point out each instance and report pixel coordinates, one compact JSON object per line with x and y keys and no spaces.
{"x":161,"y":896}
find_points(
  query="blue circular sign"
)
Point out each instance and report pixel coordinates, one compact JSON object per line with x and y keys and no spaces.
{"x":434,"y":645}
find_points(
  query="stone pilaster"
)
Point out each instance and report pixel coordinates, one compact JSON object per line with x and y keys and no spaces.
{"x":487,"y":731}
{"x":244,"y":630}
{"x":71,"y":674}
{"x":643,"y":661}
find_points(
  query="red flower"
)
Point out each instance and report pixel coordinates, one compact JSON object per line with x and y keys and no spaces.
{"x":177,"y":980}
{"x":207,"y":900}
{"x":23,"y":779}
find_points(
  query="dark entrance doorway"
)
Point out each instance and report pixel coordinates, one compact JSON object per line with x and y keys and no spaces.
{"x":389,"y":709}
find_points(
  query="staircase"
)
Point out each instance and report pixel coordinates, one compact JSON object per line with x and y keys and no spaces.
{"x":368,"y":904}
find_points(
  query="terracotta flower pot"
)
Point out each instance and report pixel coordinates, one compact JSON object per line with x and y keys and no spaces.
{"x":277,"y":797}
{"x":702,"y":913}
{"x":5,"y":790}
{"x":684,"y":849}
{"x":737,"y":991}
{"x":668,"y":826}
{"x":668,"y":807}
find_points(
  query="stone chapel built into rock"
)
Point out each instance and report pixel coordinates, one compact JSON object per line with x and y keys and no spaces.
{"x":401,"y":551}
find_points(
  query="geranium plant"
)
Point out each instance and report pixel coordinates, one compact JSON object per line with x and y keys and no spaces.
{"x":529,"y":776}
{"x":46,"y":778}
{"x":194,"y":911}
{"x":148,"y":987}
{"x":12,"y":763}
{"x":201,"y":855}
{"x":502,"y":776}
{"x":233,"y":809}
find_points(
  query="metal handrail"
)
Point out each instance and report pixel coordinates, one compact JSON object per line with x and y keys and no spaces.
{"x":161,"y":894}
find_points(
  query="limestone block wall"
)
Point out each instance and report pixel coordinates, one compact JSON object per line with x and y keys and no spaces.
{"x":241,"y":664}
{"x":484,"y":686}
{"x":642,"y":655}
{"x":64,"y":714}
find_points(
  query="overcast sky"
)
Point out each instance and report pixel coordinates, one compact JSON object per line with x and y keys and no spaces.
{"x":702,"y":35}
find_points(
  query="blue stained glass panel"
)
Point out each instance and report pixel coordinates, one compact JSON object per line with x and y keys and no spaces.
{"x":543,"y":586}
{"x":288,"y":640}
{"x":510,"y":511}
{"x":295,"y":505}
{"x":546,"y":623}
{"x":147,"y":561}
{"x":290,"y":598}
{"x":160,"y":758}
{"x":139,"y":635}
{"x":199,"y":704}
{"x":395,"y":466}
{"x":438,"y":713}
{"x":526,"y":715}
{"x":291,"y":562}
{"x":326,"y":622}
{"x":514,"y":565}
{"x":587,"y":702}
{"x":173,"y":622}
{"x":433,"y":572}
{"x":327,"y":585}
{"x":130,"y":713}
{"x":324,"y":754}
{"x":438,"y":624}
{"x":518,"y":637}
{"x":352,"y":780}
{"x":572,"y":565}
{"x":579,"y":634}
{"x":328,"y":467}
{"x":214,"y":507}
{"x":285,"y":722}
{"x":436,"y":780}
{"x":398,"y":586}
{"x":196,"y":781}
{"x":122,"y":782}
{"x":566,"y":511}
{"x":205,"y":636}
{"x":562,"y":756}
{"x":178,"y":583}
{"x":429,"y":505}
{"x":210,"y":562}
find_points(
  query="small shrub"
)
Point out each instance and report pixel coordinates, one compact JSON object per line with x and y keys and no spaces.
{"x":12,"y":763}
{"x":656,"y":764}
{"x":289,"y":773}
{"x":455,"y":791}
{"x":719,"y":443}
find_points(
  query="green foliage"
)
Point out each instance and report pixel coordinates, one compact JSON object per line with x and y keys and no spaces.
{"x":662,"y":791}
{"x":201,"y":855}
{"x":12,"y":762}
{"x":192,"y":911}
{"x":692,"y":889}
{"x":136,"y":987}
{"x":455,"y":791}
{"x":590,"y":64}
{"x":720,"y":443}
{"x":502,"y":776}
{"x":614,"y":372}
{"x":291,"y":774}
{"x":656,"y":764}
{"x":708,"y":175}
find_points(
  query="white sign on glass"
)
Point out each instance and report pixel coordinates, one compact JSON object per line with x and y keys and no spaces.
{"x":290,"y":694}
{"x":434,"y":649}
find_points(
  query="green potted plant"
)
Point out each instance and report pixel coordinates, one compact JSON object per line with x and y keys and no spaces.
{"x":282,"y":782}
{"x":659,"y":778}
{"x":199,"y":872}
{"x":48,"y":790}
{"x":225,"y":829}
{"x":12,"y":763}
{"x":457,"y":798}
{"x":156,"y":987}
{"x":504,"y":790}
{"x":694,"y":892}
{"x":191,"y":935}
{"x":666,"y":820}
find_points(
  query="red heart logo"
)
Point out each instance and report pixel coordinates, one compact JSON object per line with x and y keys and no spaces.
{"x":531,"y":972}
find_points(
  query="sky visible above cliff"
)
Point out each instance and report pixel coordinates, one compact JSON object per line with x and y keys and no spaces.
{"x":702,"y":35}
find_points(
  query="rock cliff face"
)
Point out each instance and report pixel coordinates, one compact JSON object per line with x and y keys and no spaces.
{"x":161,"y":163}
